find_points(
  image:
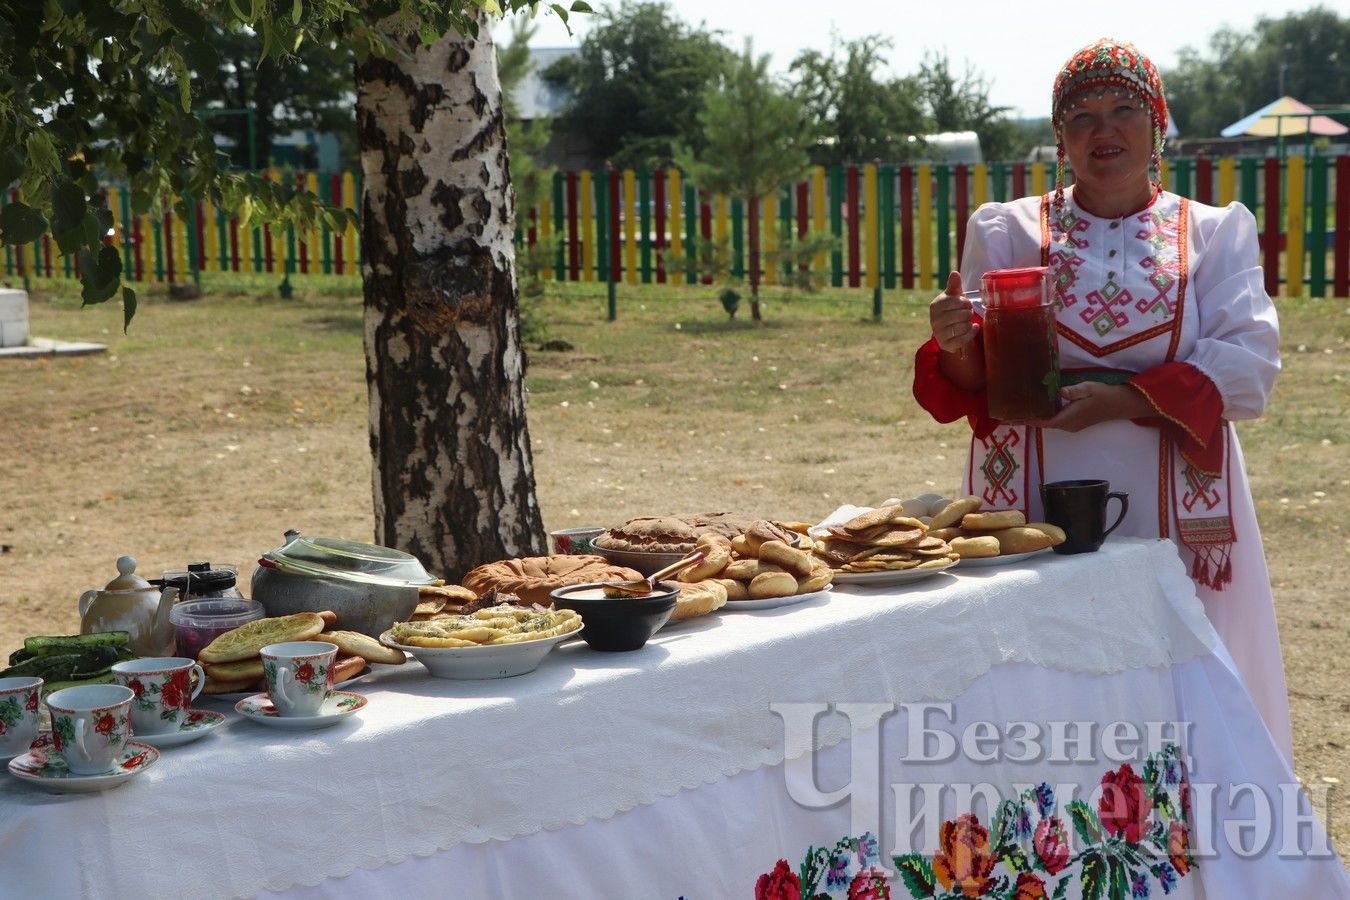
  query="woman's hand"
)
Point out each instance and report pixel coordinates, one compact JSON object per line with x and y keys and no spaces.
{"x":952,"y":317}
{"x":1090,"y":403}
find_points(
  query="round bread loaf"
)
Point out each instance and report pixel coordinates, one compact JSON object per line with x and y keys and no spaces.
{"x":1021,"y":539}
{"x":975,"y":547}
{"x":698,"y":599}
{"x":772,"y":584}
{"x":736,"y":590}
{"x":953,"y":513}
{"x":993,"y":520}
{"x":780,"y":554}
{"x":532,"y":578}
{"x":1057,"y":535}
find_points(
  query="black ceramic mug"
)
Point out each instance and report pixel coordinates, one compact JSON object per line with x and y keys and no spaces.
{"x":1079,"y":507}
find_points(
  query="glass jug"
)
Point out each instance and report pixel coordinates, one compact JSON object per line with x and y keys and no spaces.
{"x":1021,"y":348}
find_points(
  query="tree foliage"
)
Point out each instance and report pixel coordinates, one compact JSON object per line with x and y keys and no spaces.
{"x":962,"y":104}
{"x":862,"y":112}
{"x":756,"y":139}
{"x":96,"y":90}
{"x":1305,"y":55}
{"x":310,"y":88}
{"x":638,"y":82}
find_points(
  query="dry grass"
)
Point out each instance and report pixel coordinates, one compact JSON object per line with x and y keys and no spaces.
{"x":218,"y":424}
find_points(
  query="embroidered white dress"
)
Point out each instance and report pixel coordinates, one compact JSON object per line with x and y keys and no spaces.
{"x":1175,"y":282}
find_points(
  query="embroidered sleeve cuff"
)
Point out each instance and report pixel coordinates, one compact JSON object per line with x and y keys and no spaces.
{"x":945,"y":401}
{"x":1189,"y":407}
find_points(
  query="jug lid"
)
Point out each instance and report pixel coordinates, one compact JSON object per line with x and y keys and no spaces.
{"x":127,"y":579}
{"x":201,"y":578}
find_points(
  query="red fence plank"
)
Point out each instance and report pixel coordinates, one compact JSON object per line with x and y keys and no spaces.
{"x":615,"y":257}
{"x":1204,"y":179}
{"x":1270,"y":240}
{"x":852,"y":213}
{"x":573,"y":241}
{"x":659,"y":201}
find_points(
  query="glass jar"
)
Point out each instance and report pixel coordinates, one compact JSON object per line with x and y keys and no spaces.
{"x":1021,"y":348}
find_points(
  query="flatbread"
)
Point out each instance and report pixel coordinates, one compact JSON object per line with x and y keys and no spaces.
{"x":247,"y":640}
{"x":354,"y":643}
{"x":243,"y":670}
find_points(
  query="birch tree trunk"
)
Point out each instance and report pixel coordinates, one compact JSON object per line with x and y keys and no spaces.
{"x":453,"y":472}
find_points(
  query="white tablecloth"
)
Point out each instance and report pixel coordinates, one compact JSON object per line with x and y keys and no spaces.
{"x":660,"y":772}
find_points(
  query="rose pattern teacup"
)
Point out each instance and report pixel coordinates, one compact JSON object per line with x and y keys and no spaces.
{"x":299,"y":675}
{"x":163,"y":689}
{"x":90,"y":725}
{"x":575,"y":541}
{"x":18,"y":714}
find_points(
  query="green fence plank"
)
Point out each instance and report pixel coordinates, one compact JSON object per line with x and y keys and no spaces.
{"x":1181,"y":178}
{"x":835,"y":199}
{"x":1247,"y":192}
{"x":156,"y":229}
{"x":737,"y":238}
{"x":942,"y":174}
{"x":326,"y":195}
{"x":1317,"y":234}
{"x":691,"y":233}
{"x":787,"y":231}
{"x":998,"y":173}
{"x":124,"y":203}
{"x":603,"y":270}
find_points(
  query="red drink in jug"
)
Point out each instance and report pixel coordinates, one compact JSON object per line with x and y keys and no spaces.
{"x":1021,"y":348}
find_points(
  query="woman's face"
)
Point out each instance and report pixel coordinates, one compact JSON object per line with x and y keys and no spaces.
{"x":1108,"y":139}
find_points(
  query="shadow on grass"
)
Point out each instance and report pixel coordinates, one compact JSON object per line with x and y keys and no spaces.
{"x":336,"y":324}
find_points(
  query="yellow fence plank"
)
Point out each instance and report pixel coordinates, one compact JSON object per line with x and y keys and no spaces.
{"x":871,"y":200}
{"x":587,"y":228}
{"x":1227,"y":180}
{"x":1293,"y":226}
{"x":675,"y":222}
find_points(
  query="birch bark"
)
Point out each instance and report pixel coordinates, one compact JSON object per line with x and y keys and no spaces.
{"x":453,"y":472}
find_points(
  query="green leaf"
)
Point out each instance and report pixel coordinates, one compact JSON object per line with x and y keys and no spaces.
{"x":560,"y":11}
{"x":1061,"y":890}
{"x":99,"y":275}
{"x":297,"y":10}
{"x":1094,"y":876}
{"x":581,"y":6}
{"x":68,"y":214}
{"x":917,"y":874}
{"x":21,"y":224}
{"x":1015,"y":858}
{"x":11,"y":167}
{"x":128,"y":308}
{"x":1085,"y":822}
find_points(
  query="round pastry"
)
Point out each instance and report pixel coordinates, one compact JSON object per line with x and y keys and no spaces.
{"x":698,"y":599}
{"x":348,"y":667}
{"x":1021,"y":540}
{"x":671,"y":534}
{"x":763,"y":530}
{"x":975,"y":547}
{"x":953,"y":512}
{"x":820,"y":576}
{"x":354,"y":643}
{"x":715,"y":559}
{"x":736,"y":590}
{"x":532,"y":578}
{"x":791,"y":559}
{"x":772,"y":584}
{"x":993,"y":520}
{"x":1057,"y":535}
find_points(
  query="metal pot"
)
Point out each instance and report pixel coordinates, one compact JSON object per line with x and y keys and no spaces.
{"x":368,"y":586}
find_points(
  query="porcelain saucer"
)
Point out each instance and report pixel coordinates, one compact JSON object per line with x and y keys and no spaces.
{"x":43,"y":739}
{"x":45,"y":767}
{"x":339,"y":706}
{"x":199,"y":723}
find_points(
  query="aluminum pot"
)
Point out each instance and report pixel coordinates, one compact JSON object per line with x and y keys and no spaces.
{"x":369,"y":587}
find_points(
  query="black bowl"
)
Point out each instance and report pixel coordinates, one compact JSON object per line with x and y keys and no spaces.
{"x":618,"y":623}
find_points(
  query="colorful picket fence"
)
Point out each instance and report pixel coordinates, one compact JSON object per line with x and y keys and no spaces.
{"x":896,"y":226}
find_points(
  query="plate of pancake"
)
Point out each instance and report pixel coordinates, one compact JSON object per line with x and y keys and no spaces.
{"x":976,"y":562}
{"x":890,"y":576}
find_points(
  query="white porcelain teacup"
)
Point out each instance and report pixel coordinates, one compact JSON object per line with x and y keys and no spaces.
{"x":90,"y":725}
{"x":163,"y":689}
{"x":18,"y":714}
{"x":299,"y":675}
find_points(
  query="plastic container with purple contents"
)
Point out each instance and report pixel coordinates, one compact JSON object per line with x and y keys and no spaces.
{"x":199,"y":622}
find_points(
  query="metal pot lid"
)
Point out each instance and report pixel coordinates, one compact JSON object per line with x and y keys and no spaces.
{"x":201,"y":578}
{"x":348,"y":560}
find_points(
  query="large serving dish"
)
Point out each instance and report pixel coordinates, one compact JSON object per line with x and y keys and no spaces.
{"x":484,"y":661}
{"x":774,"y":602}
{"x":983,"y":562}
{"x":888,"y":576}
{"x":641,"y":560}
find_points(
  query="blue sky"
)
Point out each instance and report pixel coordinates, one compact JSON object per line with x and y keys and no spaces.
{"x":1017,"y":45}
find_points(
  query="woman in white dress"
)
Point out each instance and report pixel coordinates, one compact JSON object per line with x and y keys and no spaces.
{"x":1166,"y":336}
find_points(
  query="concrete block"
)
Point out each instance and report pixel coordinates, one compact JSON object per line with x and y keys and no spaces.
{"x":13,"y":334}
{"x":13,"y":305}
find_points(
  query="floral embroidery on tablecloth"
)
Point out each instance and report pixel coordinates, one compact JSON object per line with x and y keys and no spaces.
{"x":1136,"y":839}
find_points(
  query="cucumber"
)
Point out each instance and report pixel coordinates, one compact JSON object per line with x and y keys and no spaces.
{"x":50,"y":686}
{"x":19,"y":656}
{"x":40,"y":646}
{"x":56,"y":665}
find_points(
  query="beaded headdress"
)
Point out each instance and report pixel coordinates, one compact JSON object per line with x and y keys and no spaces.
{"x":1108,"y":64}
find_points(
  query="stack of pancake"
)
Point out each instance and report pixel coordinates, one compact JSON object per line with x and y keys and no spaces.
{"x":883,"y":539}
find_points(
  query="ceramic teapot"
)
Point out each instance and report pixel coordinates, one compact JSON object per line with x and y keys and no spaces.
{"x":130,"y":603}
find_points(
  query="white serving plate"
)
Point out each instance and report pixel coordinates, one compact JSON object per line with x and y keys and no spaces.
{"x":486,"y":661}
{"x":983,"y":562}
{"x":773,"y":602}
{"x":888,"y":576}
